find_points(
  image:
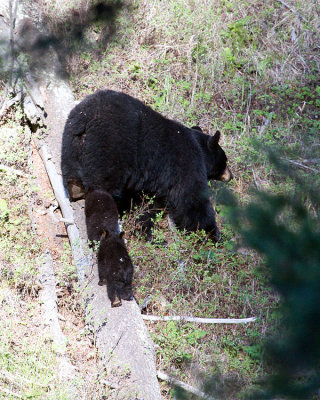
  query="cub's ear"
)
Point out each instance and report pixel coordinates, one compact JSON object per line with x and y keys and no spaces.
{"x":104,"y":235}
{"x":214,"y":140}
{"x":197,"y":128}
{"x":121,"y":234}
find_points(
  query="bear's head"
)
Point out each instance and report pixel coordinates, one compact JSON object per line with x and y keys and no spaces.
{"x":215,"y":158}
{"x":217,"y":167}
{"x":115,"y":267}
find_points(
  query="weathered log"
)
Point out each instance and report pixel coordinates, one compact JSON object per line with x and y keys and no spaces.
{"x":49,"y":309}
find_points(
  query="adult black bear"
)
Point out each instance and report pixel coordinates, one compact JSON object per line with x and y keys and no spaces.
{"x":114,"y":141}
{"x":114,"y":263}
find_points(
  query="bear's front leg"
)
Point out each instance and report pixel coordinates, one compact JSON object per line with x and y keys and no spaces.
{"x":102,"y":274}
{"x":215,"y":235}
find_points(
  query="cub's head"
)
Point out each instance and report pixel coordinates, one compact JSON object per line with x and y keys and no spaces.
{"x":216,"y":159}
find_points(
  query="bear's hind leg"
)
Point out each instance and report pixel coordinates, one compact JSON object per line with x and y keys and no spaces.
{"x":113,"y":295}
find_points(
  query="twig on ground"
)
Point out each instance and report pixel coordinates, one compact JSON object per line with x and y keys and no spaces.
{"x":10,"y":393}
{"x":15,"y":380}
{"x":301,"y":165}
{"x":173,"y":381}
{"x":109,"y":384}
{"x":114,"y":347}
{"x":312,"y":161}
{"x":258,"y":186}
{"x":293,"y":10}
{"x":266,"y":124}
{"x":153,"y":318}
{"x":247,"y":117}
{"x":13,"y":170}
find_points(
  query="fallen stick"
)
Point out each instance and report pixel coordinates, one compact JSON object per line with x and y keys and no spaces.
{"x":292,"y":10}
{"x":182,"y":385}
{"x":154,"y":318}
{"x":13,"y":170}
{"x":266,"y":124}
{"x":301,"y":165}
{"x":109,"y":384}
{"x":258,"y":186}
{"x":10,"y":393}
{"x":247,"y":117}
{"x":312,"y":161}
{"x":80,"y":259}
{"x":14,"y":380}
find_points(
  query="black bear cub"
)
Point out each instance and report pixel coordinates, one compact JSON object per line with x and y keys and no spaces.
{"x":115,"y":268}
{"x":101,"y":213}
{"x":114,"y":263}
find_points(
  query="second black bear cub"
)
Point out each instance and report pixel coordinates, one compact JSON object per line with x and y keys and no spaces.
{"x":101,"y":213}
{"x":115,"y":268}
{"x":114,"y":263}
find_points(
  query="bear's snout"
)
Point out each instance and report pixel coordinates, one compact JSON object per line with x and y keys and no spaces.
{"x":226,"y":176}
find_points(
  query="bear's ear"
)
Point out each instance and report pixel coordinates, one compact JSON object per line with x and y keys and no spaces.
{"x":104,"y":234}
{"x":197,"y":128}
{"x":214,"y":140}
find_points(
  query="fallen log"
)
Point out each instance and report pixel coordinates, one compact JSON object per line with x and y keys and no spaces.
{"x":49,"y":309}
